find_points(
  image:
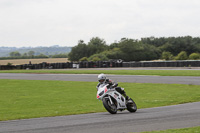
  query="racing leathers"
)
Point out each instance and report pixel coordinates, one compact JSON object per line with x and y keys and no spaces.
{"x":114,"y":85}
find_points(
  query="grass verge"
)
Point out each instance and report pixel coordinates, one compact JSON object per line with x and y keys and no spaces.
{"x":183,"y":130}
{"x":21,"y":99}
{"x":118,"y":72}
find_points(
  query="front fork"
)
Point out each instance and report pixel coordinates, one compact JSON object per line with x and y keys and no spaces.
{"x":108,"y":97}
{"x":111,"y":102}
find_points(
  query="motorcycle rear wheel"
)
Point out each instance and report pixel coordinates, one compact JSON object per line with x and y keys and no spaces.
{"x":131,"y":106}
{"x":110,"y":108}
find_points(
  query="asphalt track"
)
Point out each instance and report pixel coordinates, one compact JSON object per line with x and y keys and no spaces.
{"x":160,"y":118}
{"x":118,"y":78}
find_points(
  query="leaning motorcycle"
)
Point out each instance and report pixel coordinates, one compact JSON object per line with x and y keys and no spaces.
{"x":113,"y":100}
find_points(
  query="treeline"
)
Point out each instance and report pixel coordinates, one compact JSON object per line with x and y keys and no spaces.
{"x":150,"y":48}
{"x":51,"y":50}
{"x":31,"y":55}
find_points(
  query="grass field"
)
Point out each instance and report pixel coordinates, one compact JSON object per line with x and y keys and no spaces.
{"x":33,"y":61}
{"x":183,"y":130}
{"x":119,"y":72}
{"x":34,"y":98}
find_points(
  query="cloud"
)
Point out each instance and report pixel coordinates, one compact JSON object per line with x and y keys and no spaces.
{"x":64,"y":22}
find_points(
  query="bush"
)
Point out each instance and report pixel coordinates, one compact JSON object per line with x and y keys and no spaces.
{"x":194,"y":56}
{"x":95,"y":59}
{"x":9,"y":64}
{"x":84,"y":59}
{"x":98,"y":57}
{"x":167,"y":55}
{"x":181,"y":56}
{"x":114,"y":53}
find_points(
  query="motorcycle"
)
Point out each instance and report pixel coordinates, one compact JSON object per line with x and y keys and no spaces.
{"x":113,"y":100}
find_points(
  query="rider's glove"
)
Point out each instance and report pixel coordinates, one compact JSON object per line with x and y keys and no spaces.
{"x":115,"y":85}
{"x":110,"y":83}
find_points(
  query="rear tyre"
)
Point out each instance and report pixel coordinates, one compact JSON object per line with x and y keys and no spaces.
{"x":131,"y":106}
{"x":110,"y":108}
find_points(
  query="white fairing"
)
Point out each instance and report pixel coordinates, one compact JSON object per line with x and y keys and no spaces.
{"x":103,"y":91}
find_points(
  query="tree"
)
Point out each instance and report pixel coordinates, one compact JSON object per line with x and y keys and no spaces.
{"x":182,"y":56}
{"x":167,"y":55}
{"x":15,"y":54}
{"x":174,"y":44}
{"x":96,"y":45}
{"x":31,"y":53}
{"x":114,"y":53}
{"x":167,"y":47}
{"x":130,"y":49}
{"x":114,"y":45}
{"x":134,"y":50}
{"x":41,"y":56}
{"x":150,"y":52}
{"x":79,"y":51}
{"x":25,"y":54}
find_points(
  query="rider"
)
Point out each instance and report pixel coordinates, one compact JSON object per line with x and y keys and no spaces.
{"x":103,"y":80}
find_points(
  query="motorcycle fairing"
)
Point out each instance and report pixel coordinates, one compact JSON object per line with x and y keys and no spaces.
{"x":121,"y":102}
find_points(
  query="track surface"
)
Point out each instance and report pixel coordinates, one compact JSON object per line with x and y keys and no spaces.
{"x":160,"y":118}
{"x":117,"y":78}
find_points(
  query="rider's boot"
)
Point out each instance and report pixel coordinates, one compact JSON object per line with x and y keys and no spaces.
{"x":127,"y":97}
{"x":124,"y":93}
{"x":121,"y":90}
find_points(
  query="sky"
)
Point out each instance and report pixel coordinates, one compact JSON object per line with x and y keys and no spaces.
{"x":31,"y":23}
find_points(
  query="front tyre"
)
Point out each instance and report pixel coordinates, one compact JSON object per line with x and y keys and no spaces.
{"x":131,"y":106}
{"x":110,"y":108}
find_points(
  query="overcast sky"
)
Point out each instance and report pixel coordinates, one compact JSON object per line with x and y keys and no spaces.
{"x":65,"y":22}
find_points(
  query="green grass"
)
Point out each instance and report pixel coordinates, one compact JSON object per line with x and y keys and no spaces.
{"x":34,"y":98}
{"x":119,"y":72}
{"x":183,"y":130}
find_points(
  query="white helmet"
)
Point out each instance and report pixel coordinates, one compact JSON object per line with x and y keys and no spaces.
{"x":101,"y":78}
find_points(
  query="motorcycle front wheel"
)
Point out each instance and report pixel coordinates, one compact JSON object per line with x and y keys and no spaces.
{"x":110,"y":108}
{"x":131,"y":106}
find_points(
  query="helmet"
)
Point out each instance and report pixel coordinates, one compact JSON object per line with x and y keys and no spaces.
{"x":102,"y":78}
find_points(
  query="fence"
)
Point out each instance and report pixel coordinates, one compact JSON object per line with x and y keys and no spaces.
{"x":103,"y":64}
